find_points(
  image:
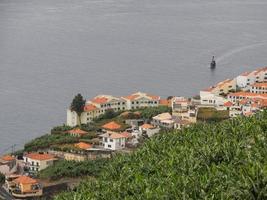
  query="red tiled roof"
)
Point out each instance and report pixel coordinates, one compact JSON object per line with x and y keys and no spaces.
{"x":38,"y":156}
{"x":77,"y":131}
{"x":164,"y":102}
{"x":147,"y":126}
{"x":126,"y":134}
{"x":264,"y":85}
{"x":248,"y":94}
{"x":112,"y":126}
{"x":137,"y":95}
{"x":243,"y":101}
{"x":261,"y":70}
{"x":131,"y":97}
{"x":83,"y":145}
{"x":116,"y":136}
{"x":25,"y":180}
{"x":8,"y":158}
{"x":100,"y":100}
{"x":154,"y":97}
{"x":89,"y":107}
{"x":228,"y":104}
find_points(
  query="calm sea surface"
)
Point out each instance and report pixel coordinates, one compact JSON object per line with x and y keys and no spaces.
{"x":52,"y":49}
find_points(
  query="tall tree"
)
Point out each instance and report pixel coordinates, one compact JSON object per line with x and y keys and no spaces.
{"x":77,"y":105}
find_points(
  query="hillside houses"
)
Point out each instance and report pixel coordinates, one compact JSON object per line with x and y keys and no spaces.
{"x":101,"y":103}
{"x":231,"y":93}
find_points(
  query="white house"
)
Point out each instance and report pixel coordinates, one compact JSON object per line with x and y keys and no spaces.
{"x":141,"y":100}
{"x":38,"y":161}
{"x":149,"y":129}
{"x":180,"y":104}
{"x":260,"y":88}
{"x":113,"y":141}
{"x":246,"y":79}
{"x":101,"y":103}
{"x":164,"y":120}
{"x":238,"y":96}
{"x":210,"y":99}
{"x":8,"y":165}
{"x":95,"y":107}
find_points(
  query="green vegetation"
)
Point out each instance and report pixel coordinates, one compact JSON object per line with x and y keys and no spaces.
{"x":2,"y":179}
{"x":77,"y":105}
{"x":48,"y":140}
{"x":148,"y":113}
{"x":109,"y":114}
{"x":72,"y":169}
{"x":60,"y":129}
{"x":212,"y":115}
{"x":226,"y":160}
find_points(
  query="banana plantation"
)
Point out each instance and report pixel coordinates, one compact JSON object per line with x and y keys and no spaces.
{"x":226,"y":160}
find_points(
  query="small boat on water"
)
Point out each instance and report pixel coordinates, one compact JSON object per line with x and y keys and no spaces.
{"x":213,"y":63}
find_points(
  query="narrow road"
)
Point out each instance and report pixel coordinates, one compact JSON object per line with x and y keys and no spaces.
{"x":5,"y":195}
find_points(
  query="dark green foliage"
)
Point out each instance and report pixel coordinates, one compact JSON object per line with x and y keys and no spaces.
{"x":60,"y":129}
{"x":65,"y":168}
{"x":212,"y":115}
{"x":2,"y":178}
{"x":48,"y":140}
{"x":226,"y":160}
{"x":148,"y":113}
{"x":77,"y":105}
{"x":109,"y":114}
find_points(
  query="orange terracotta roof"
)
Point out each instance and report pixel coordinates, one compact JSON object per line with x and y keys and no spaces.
{"x":90,"y":107}
{"x":83,"y":145}
{"x":164,"y":102}
{"x":112,"y":126}
{"x":77,"y":131}
{"x":154,"y":97}
{"x":8,"y":158}
{"x":100,"y":100}
{"x":139,"y":94}
{"x":264,"y":85}
{"x":248,"y":95}
{"x":261,"y":70}
{"x":38,"y":156}
{"x":248,"y":114}
{"x":228,"y":104}
{"x":147,"y":126}
{"x":116,"y":136}
{"x":243,"y":101}
{"x":126,"y":134}
{"x":131,"y":97}
{"x":25,"y":180}
{"x":245,"y":73}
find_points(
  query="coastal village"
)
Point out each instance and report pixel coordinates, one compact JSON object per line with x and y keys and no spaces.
{"x":112,"y":125}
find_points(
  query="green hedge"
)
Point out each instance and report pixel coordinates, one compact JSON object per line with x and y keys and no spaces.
{"x":48,"y":140}
{"x":65,"y":168}
{"x":226,"y":160}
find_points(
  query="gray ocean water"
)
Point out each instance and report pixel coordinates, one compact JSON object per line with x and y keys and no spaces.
{"x":52,"y":49}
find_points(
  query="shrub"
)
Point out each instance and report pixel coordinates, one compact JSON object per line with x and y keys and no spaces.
{"x":65,"y":168}
{"x":60,"y":129}
{"x":48,"y":140}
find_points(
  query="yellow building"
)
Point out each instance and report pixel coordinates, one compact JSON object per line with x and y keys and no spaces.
{"x":26,"y":187}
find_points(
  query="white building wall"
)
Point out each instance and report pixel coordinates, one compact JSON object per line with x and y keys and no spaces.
{"x":72,"y":118}
{"x":114,"y":144}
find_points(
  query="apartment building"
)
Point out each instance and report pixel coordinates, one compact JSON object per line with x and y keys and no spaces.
{"x":141,"y":100}
{"x":258,"y":88}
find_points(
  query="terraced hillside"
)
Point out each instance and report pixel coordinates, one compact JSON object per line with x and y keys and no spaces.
{"x":226,"y":160}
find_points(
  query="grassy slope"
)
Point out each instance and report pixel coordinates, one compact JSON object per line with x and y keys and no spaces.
{"x":226,"y":160}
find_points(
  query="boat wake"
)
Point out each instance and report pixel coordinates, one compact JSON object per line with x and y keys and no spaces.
{"x":240,"y":49}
